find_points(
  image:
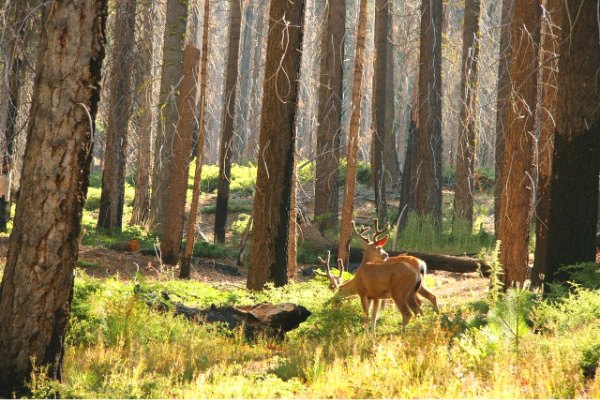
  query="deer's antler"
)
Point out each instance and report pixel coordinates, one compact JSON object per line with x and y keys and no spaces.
{"x":361,"y":234}
{"x":324,"y":263}
{"x":379,"y":232}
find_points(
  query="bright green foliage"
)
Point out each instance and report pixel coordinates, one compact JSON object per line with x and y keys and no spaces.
{"x":420,"y":234}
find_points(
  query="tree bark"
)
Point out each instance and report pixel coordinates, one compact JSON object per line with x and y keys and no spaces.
{"x":182,"y":145}
{"x":276,"y":162}
{"x":465,"y":163}
{"x":352,"y":156}
{"x":14,"y":48}
{"x":576,"y":162}
{"x":502,"y":103}
{"x":329,"y":116}
{"x":112,"y":197}
{"x":517,"y":196}
{"x":225,"y":150}
{"x":37,"y":286}
{"x":545,"y":142}
{"x":141,"y":200}
{"x":379,"y":110}
{"x":174,"y":39}
{"x":186,"y":261}
{"x":429,"y":125}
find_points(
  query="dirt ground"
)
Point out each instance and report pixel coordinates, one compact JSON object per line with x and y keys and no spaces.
{"x":101,"y":262}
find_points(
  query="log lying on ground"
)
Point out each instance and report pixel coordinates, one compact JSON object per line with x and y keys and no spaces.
{"x":263,"y":319}
{"x":436,"y":262}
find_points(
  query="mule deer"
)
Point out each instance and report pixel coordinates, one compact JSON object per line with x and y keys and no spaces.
{"x":376,"y":281}
{"x":374,"y":253}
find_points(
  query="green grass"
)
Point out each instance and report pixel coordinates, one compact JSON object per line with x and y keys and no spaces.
{"x":119,"y":347}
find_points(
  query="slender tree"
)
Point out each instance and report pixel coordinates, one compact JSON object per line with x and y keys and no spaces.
{"x":352,"y":156}
{"x":517,"y":183}
{"x":182,"y":147}
{"x":576,"y":162}
{"x":186,"y":261}
{"x":14,"y":50}
{"x":428,"y":190}
{"x":276,"y":163}
{"x":467,"y":131}
{"x":380,"y":109}
{"x":141,"y":199}
{"x":225,"y":150}
{"x":330,"y":115}
{"x":174,"y":39}
{"x":112,"y":197}
{"x":502,"y":102}
{"x":37,"y":286}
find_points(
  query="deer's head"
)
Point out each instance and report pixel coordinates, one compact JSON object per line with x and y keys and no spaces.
{"x":373,"y":246}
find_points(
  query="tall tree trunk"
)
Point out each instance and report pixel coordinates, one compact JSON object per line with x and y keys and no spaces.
{"x":352,"y":157}
{"x":225,"y":150}
{"x":502,"y":103}
{"x":330,"y":116}
{"x":576,"y":163}
{"x":174,"y":39}
{"x":182,"y":145}
{"x":141,"y":199}
{"x":379,"y":103}
{"x":467,"y":130}
{"x":390,"y":148}
{"x":37,"y":286}
{"x":14,"y":49}
{"x":545,"y":142}
{"x":516,"y":203}
{"x":186,"y":262}
{"x":112,"y":197}
{"x":429,"y":125}
{"x":407,"y":201}
{"x":276,"y":163}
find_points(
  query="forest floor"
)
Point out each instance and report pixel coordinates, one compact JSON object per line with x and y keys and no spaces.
{"x":101,"y":262}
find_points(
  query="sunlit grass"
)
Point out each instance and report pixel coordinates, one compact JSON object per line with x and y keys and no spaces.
{"x":119,"y":347}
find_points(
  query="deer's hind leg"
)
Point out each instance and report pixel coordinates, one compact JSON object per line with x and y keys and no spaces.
{"x":400,"y":300}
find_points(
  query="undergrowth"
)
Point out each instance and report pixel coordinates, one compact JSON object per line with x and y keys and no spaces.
{"x":517,"y":346}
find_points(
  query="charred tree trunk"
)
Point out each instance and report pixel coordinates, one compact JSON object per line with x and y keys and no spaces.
{"x":380,"y":117}
{"x":269,"y":254}
{"x":545,"y":148}
{"x":37,"y":287}
{"x":429,"y":124}
{"x":576,"y":163}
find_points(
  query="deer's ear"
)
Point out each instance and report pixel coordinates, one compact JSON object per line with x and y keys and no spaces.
{"x":381,"y":242}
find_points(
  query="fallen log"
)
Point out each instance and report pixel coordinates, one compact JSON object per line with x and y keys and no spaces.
{"x":260,"y":320}
{"x":436,"y":262}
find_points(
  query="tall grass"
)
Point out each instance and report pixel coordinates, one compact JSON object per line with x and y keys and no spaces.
{"x":118,"y":346}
